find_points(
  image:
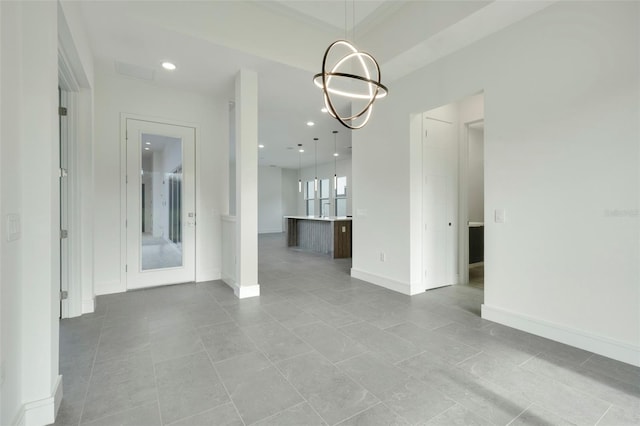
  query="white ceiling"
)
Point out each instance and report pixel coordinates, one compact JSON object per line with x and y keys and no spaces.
{"x":283,"y":41}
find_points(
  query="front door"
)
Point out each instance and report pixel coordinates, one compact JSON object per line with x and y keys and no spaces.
{"x":160,"y":204}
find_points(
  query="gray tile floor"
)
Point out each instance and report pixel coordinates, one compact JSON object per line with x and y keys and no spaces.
{"x":318,"y":348}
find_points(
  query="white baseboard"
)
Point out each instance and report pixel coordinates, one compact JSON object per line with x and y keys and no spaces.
{"x":208,"y":275}
{"x":89,"y":305}
{"x":109,"y":287}
{"x":230,"y":282}
{"x":19,"y":419}
{"x":243,"y":292}
{"x":381,"y":281}
{"x":43,"y":411}
{"x":246,"y":291}
{"x":601,"y":345}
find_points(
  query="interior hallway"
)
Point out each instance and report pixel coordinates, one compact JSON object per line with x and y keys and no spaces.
{"x":319,"y":347}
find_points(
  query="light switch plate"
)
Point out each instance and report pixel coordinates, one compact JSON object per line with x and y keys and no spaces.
{"x":499,"y":216}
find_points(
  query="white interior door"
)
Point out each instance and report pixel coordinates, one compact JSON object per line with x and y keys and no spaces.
{"x":160,"y":204}
{"x":439,"y":249}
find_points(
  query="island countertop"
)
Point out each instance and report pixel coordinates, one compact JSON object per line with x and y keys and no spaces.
{"x":324,"y":218}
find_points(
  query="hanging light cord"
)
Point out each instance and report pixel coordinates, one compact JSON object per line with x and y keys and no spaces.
{"x":335,"y":161}
{"x":315,"y":183}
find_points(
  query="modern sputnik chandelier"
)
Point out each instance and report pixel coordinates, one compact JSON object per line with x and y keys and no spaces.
{"x":334,"y":80}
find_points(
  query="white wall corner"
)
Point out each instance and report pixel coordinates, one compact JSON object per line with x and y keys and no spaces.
{"x":389,"y":283}
{"x":601,"y":345}
{"x":42,"y":411}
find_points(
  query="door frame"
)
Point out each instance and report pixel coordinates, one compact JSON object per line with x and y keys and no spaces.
{"x":123,"y":183}
{"x":69,"y":88}
{"x":463,"y":202}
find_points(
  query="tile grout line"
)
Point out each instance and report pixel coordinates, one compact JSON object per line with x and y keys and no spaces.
{"x":528,"y":359}
{"x":604,"y":414}
{"x":93,"y":364}
{"x":290,"y":384}
{"x":155,"y":379}
{"x":521,"y":413}
{"x":586,"y":360}
{"x":215,"y":369}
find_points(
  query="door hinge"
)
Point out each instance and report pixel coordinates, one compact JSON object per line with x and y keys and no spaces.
{"x":63,"y":173}
{"x":64,"y":294}
{"x":64,"y":234}
{"x":126,"y":268}
{"x":126,"y":179}
{"x":62,"y":111}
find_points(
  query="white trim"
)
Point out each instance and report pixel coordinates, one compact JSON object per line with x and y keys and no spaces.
{"x":42,"y":411}
{"x":124,"y":116}
{"x":110,"y":287}
{"x":602,"y":345}
{"x":244,"y":292}
{"x":391,"y":284}
{"x":88,"y":305}
{"x":19,"y":419}
{"x":209,"y":275}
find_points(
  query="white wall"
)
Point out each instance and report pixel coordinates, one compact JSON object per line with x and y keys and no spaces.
{"x":278,"y":194}
{"x":561,"y":157}
{"x":476,"y":175}
{"x":289,"y":192}
{"x":114,"y":95}
{"x":270,"y":200}
{"x":28,"y":174}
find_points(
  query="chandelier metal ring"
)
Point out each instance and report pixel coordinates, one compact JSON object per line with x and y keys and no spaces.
{"x":374,"y":89}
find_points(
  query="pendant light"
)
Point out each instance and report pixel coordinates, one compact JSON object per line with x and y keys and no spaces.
{"x":345,"y":57}
{"x":315,"y":181}
{"x":300,"y":151}
{"x":335,"y":161}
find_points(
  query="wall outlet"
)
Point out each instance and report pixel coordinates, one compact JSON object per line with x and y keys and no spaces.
{"x":382,"y":257}
{"x":499,"y":216}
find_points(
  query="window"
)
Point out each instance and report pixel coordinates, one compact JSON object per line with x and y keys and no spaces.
{"x":309,"y":197}
{"x":175,"y":206}
{"x":341,"y":196}
{"x":325,"y":203}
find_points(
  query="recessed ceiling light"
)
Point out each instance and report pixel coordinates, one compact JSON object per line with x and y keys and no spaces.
{"x":146,"y":149}
{"x":147,"y":143}
{"x":168,"y":66}
{"x":310,"y":123}
{"x":301,"y":150}
{"x":324,"y":110}
{"x":335,"y":154}
{"x":260,"y":146}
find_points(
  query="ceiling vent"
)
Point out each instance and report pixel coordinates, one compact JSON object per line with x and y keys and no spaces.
{"x":134,"y":71}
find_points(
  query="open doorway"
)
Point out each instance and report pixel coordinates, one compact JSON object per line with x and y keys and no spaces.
{"x":453,"y":194}
{"x":475,"y":202}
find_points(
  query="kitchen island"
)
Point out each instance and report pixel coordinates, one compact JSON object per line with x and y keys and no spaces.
{"x":328,"y":235}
